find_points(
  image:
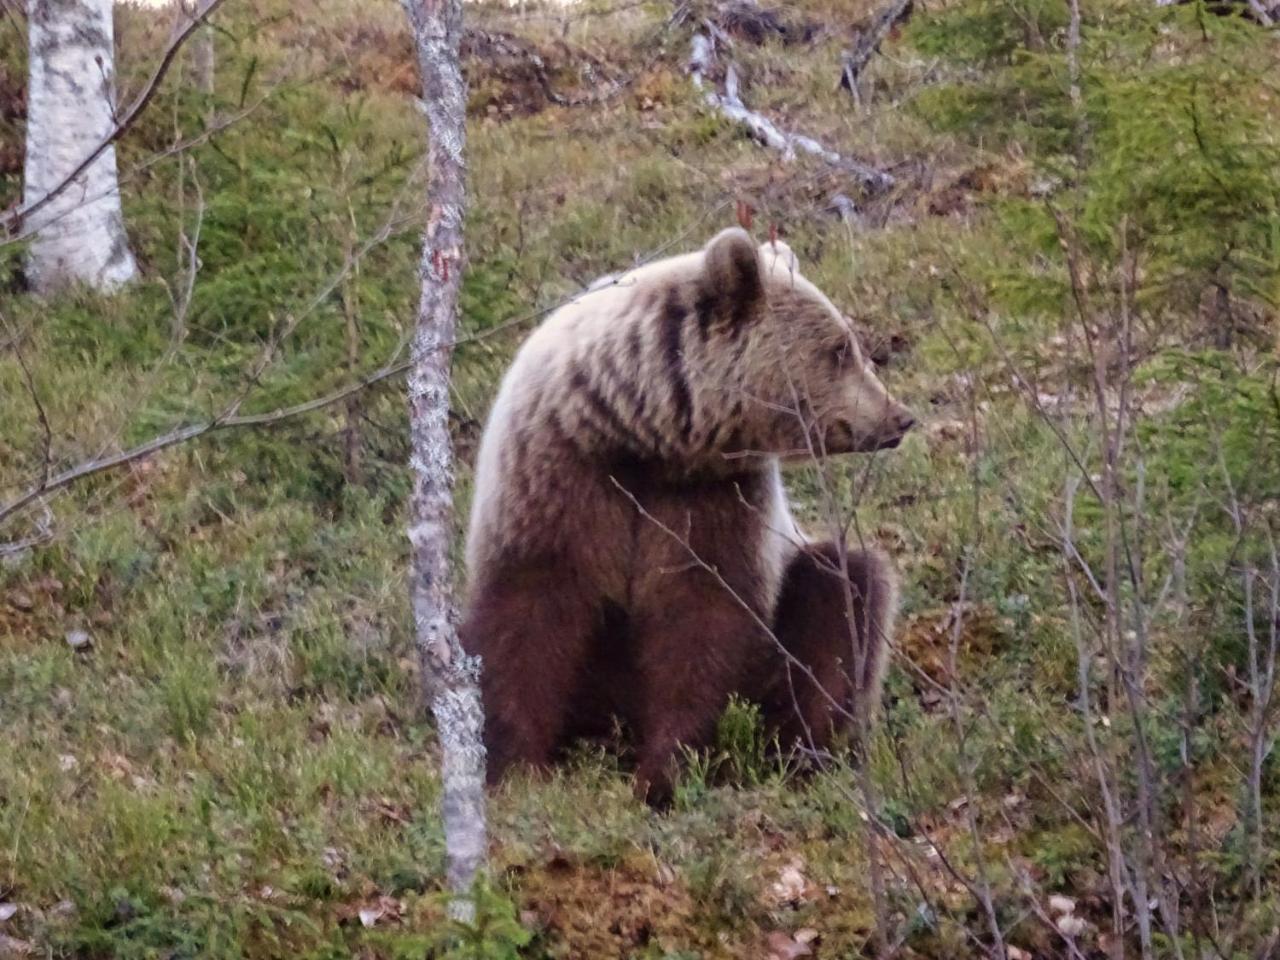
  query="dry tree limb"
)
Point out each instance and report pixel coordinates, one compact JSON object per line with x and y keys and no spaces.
{"x":188,"y":261}
{"x":1259,"y":11}
{"x":1263,"y":14}
{"x":223,"y":421}
{"x":729,"y":105}
{"x":854,"y":61}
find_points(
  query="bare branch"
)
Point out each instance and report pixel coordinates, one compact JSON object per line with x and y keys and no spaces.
{"x":45,"y":430}
{"x":225,"y":421}
{"x":188,"y":250}
{"x":853,"y":62}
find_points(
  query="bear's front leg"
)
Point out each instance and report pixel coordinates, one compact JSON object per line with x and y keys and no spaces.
{"x":532,"y":625}
{"x":691,"y":639}
{"x":834,"y":623}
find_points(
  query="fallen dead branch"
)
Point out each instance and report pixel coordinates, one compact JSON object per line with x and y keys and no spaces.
{"x":729,"y":105}
{"x":225,"y":421}
{"x":1259,"y":11}
{"x":855,"y":61}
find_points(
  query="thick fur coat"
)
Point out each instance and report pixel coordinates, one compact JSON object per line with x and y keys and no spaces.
{"x":631,"y":551}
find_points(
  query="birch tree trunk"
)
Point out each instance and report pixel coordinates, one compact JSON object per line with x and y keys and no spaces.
{"x":451,"y":677}
{"x":79,"y":235}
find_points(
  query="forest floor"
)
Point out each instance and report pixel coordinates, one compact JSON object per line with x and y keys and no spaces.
{"x":213,"y":743}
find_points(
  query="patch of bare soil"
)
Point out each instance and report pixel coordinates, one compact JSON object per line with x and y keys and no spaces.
{"x":590,"y":910}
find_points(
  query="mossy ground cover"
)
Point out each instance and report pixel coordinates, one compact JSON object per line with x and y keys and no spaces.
{"x":237,"y":763}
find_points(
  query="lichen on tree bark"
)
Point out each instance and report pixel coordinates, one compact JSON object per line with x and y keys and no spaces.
{"x":451,"y":676}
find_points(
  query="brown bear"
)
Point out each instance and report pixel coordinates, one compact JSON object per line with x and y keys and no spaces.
{"x":631,"y":549}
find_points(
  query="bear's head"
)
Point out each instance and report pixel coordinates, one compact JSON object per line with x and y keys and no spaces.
{"x":807,"y":388}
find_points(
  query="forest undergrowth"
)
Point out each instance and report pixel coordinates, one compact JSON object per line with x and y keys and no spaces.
{"x":213,"y":741}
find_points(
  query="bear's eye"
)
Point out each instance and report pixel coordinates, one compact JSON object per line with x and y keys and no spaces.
{"x":839,"y":356}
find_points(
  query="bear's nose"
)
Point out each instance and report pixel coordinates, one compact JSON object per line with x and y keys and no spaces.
{"x":905,"y":421}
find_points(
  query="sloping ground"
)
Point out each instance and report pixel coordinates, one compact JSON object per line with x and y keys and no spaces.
{"x":213,"y":745}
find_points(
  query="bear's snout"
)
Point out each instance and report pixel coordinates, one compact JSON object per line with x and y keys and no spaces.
{"x":885,"y":433}
{"x":896,"y":426}
{"x":899,"y":424}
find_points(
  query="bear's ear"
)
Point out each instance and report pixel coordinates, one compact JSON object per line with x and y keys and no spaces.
{"x":731,"y":281}
{"x":776,"y":255}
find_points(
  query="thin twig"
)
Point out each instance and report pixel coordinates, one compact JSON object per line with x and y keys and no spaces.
{"x":46,"y":438}
{"x":855,"y":61}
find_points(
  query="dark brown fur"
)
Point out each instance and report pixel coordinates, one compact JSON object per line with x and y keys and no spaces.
{"x":665,"y":653}
{"x":662,"y":650}
{"x":629,"y":528}
{"x":835,"y":632}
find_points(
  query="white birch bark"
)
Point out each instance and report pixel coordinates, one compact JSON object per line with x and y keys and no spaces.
{"x":79,"y":235}
{"x":451,"y":676}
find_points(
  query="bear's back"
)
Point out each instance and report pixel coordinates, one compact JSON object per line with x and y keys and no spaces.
{"x":540,"y":389}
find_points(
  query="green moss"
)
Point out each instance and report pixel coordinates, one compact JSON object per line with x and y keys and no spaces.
{"x":241,"y":761}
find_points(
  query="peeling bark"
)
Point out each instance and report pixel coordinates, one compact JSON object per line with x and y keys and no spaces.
{"x":450,"y":675}
{"x":79,"y":235}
